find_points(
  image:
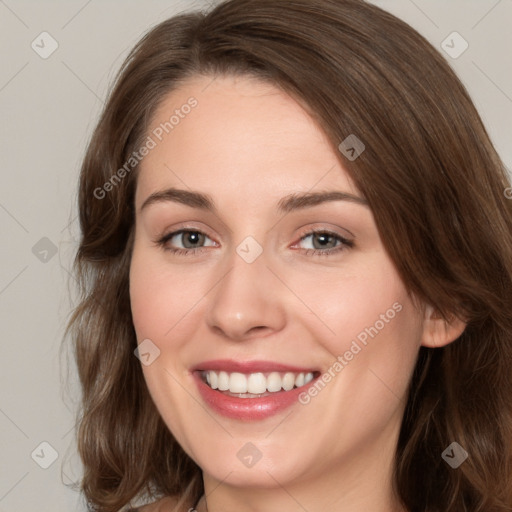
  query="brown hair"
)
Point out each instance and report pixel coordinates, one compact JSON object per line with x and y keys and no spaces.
{"x":434,"y":184}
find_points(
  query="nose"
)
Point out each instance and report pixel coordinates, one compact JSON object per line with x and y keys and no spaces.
{"x":247,"y":302}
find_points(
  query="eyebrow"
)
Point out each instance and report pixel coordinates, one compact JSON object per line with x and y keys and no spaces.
{"x":286,"y":204}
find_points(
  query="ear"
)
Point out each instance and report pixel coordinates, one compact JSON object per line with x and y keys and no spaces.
{"x":438,"y":332}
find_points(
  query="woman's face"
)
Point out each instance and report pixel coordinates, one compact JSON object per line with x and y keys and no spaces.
{"x":257,"y":262}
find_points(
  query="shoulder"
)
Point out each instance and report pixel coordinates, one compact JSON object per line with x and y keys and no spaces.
{"x":167,"y":504}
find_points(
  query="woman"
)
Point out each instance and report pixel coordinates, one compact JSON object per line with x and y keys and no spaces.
{"x":296,"y":264}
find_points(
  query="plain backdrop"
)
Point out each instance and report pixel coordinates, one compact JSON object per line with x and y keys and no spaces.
{"x":49,"y":107}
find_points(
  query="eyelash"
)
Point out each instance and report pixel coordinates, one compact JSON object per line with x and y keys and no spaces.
{"x":342,"y":246}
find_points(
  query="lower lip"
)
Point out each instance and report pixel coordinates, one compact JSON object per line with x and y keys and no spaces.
{"x":248,"y":408}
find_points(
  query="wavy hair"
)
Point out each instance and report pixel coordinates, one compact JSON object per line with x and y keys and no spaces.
{"x":433,"y":181}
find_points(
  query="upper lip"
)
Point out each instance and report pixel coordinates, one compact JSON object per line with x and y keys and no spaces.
{"x":230,"y":366}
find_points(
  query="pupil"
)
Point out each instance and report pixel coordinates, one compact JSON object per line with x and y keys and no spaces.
{"x":323,"y":239}
{"x":192,"y":238}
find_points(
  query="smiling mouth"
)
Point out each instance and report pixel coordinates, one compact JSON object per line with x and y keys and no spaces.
{"x":255,"y":385}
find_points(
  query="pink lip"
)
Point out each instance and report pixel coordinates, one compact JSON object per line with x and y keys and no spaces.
{"x":249,"y":409}
{"x":229,"y":365}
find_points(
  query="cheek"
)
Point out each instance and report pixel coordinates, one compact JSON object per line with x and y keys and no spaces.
{"x":370,"y":321}
{"x":160,"y":303}
{"x":143,"y":295}
{"x":372,"y":339}
{"x":159,"y":298}
{"x":368,"y":300}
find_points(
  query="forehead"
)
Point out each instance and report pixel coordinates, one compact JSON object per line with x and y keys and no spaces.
{"x":240,"y":134}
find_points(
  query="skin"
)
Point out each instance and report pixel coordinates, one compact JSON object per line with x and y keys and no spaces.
{"x":247,"y":145}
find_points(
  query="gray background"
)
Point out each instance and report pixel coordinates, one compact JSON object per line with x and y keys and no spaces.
{"x":48,"y":110}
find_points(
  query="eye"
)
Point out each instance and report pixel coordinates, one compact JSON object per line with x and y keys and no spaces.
{"x":321,"y":242}
{"x":192,"y":241}
{"x":185,"y":241}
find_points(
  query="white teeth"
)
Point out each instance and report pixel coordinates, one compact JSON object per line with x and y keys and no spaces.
{"x":274,"y":382}
{"x":288,"y":381}
{"x":223,"y":381}
{"x":256,"y":383}
{"x":238,"y":383}
{"x":214,"y":379}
